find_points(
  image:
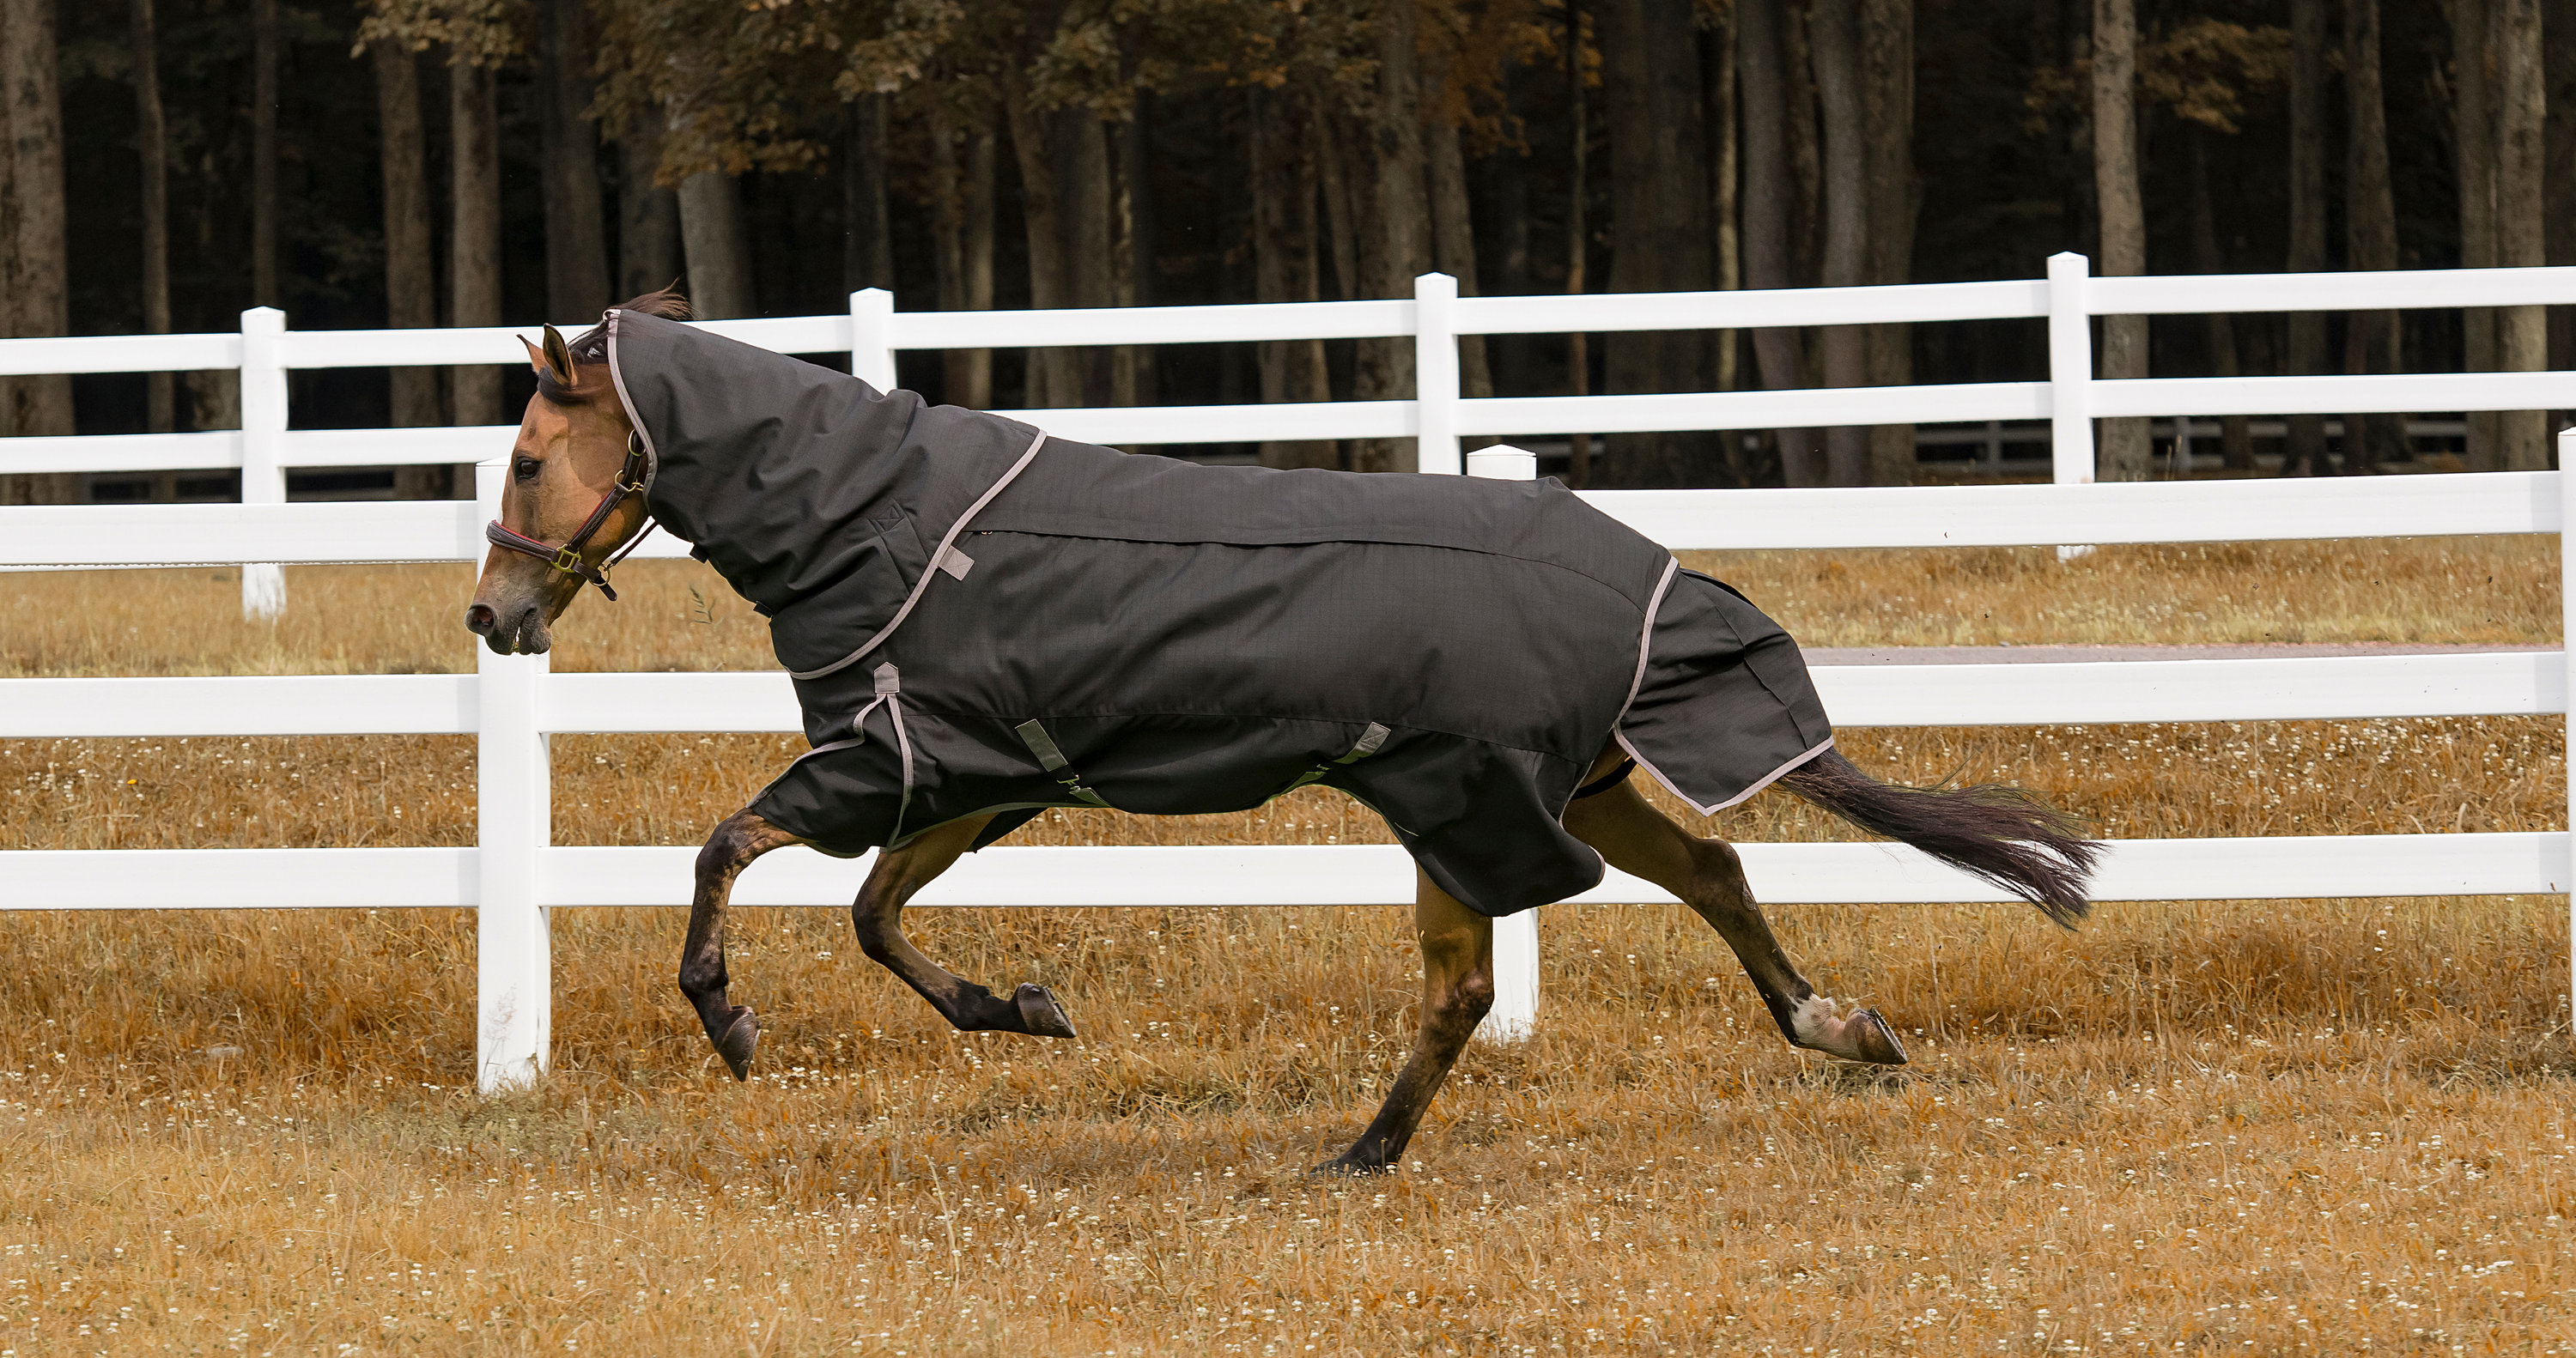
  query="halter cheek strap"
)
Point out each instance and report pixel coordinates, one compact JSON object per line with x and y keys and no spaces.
{"x":567,"y":558}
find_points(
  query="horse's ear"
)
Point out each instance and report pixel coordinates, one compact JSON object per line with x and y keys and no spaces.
{"x":537,"y":360}
{"x":558,"y":356}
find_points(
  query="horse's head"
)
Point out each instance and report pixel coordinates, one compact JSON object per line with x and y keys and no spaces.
{"x":567,"y":484}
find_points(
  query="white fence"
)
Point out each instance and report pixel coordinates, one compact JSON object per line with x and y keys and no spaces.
{"x":512,"y":704}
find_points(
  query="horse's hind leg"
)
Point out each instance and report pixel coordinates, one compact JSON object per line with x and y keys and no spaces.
{"x":1457,"y":989}
{"x":878,"y":917}
{"x":741,"y":838}
{"x":1639,"y":840}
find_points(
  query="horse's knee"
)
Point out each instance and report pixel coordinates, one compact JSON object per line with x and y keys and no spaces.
{"x":1717,"y":873}
{"x":874,"y":941}
{"x":1473,"y":996}
{"x":1455,"y":1011}
{"x":730,"y":847}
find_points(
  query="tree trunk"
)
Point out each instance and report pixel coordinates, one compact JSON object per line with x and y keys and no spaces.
{"x":474,"y":245}
{"x":648,"y":215}
{"x":1767,"y":193}
{"x":2236,"y":432}
{"x":1084,"y":201}
{"x":1453,"y":238}
{"x":1050,"y":381}
{"x":1724,"y":143}
{"x":2522,"y":332}
{"x":264,"y":286}
{"x":867,"y":232}
{"x":1843,"y":349}
{"x":1659,"y":224}
{"x":2306,"y":449}
{"x":1578,"y":237}
{"x":1687,"y":360}
{"x":576,"y":233}
{"x":1283,"y":266}
{"x":947,"y":237}
{"x":411,"y":282}
{"x":1122,"y":254}
{"x":1805,"y":140}
{"x":974,"y":373}
{"x":717,"y":245}
{"x":2370,"y":221}
{"x":152,"y":142}
{"x":1403,"y":222}
{"x":2124,"y":450}
{"x":2558,"y":187}
{"x":1134,"y":168}
{"x":2473,"y":126}
{"x":1333,"y":171}
{"x":1887,"y":48}
{"x":34,"y":244}
{"x":1506,"y":185}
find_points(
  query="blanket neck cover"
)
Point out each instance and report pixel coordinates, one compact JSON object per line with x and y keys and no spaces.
{"x":984,"y":620}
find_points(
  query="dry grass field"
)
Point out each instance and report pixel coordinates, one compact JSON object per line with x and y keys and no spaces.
{"x":2261,"y":1128}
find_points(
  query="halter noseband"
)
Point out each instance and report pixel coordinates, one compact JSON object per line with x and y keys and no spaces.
{"x":567,"y":558}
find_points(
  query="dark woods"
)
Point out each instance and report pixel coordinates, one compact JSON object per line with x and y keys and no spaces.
{"x":167,"y":163}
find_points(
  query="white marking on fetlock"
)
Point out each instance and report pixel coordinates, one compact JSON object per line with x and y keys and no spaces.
{"x":1812,"y":1018}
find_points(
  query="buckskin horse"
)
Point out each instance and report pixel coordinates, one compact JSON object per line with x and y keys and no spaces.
{"x":983,"y":622}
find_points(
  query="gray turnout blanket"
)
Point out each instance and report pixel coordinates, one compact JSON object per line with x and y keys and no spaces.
{"x":982,"y":619}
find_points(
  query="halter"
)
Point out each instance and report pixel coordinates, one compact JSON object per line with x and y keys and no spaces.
{"x":567,"y":558}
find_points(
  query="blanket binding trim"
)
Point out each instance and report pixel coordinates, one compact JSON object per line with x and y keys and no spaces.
{"x":1739,"y":798}
{"x":946,"y":543}
{"x":1645,"y":639}
{"x":617,"y":380}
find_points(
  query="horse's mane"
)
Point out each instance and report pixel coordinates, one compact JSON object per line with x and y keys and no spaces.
{"x":591,"y":346}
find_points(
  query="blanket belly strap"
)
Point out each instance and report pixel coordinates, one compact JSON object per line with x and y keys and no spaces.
{"x":1369,"y":743}
{"x":1033,"y":734}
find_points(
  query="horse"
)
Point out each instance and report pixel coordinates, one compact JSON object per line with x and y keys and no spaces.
{"x":580,"y":492}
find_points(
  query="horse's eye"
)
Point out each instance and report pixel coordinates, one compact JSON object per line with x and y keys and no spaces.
{"x":526,"y":468}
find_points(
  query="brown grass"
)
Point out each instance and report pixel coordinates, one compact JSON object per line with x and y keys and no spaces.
{"x":2265,"y":1128}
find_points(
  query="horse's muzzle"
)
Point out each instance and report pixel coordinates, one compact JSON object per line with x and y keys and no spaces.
{"x":524,"y":633}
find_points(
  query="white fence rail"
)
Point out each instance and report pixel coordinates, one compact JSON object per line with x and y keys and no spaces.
{"x":512,"y":704}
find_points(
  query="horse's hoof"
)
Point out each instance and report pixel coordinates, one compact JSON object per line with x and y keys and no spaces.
{"x":1040,"y":1012}
{"x":1872,"y":1040}
{"x":1342,"y":1166}
{"x":740,"y":1038}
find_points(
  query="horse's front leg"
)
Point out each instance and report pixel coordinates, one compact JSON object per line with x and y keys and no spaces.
{"x":1457,"y":989}
{"x":740,"y":839}
{"x":878,"y":917}
{"x":1639,"y":840}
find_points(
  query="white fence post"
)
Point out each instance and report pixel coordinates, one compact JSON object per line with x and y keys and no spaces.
{"x":263,"y":434}
{"x":872,"y":337}
{"x":2567,"y":656}
{"x":1435,"y":372}
{"x":1515,"y":1011}
{"x":513,"y":810}
{"x":2070,"y":377}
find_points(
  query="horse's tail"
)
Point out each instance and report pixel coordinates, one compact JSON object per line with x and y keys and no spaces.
{"x":2001,"y":834}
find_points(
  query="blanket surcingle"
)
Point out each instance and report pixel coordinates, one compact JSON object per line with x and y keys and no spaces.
{"x":982,"y":619}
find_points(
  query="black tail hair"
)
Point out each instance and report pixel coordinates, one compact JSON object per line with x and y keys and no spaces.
{"x":2001,"y":834}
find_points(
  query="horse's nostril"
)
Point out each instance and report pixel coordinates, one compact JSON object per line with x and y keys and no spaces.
{"x":480,"y":619}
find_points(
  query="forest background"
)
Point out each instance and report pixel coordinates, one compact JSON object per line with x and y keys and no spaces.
{"x":166,"y":163}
